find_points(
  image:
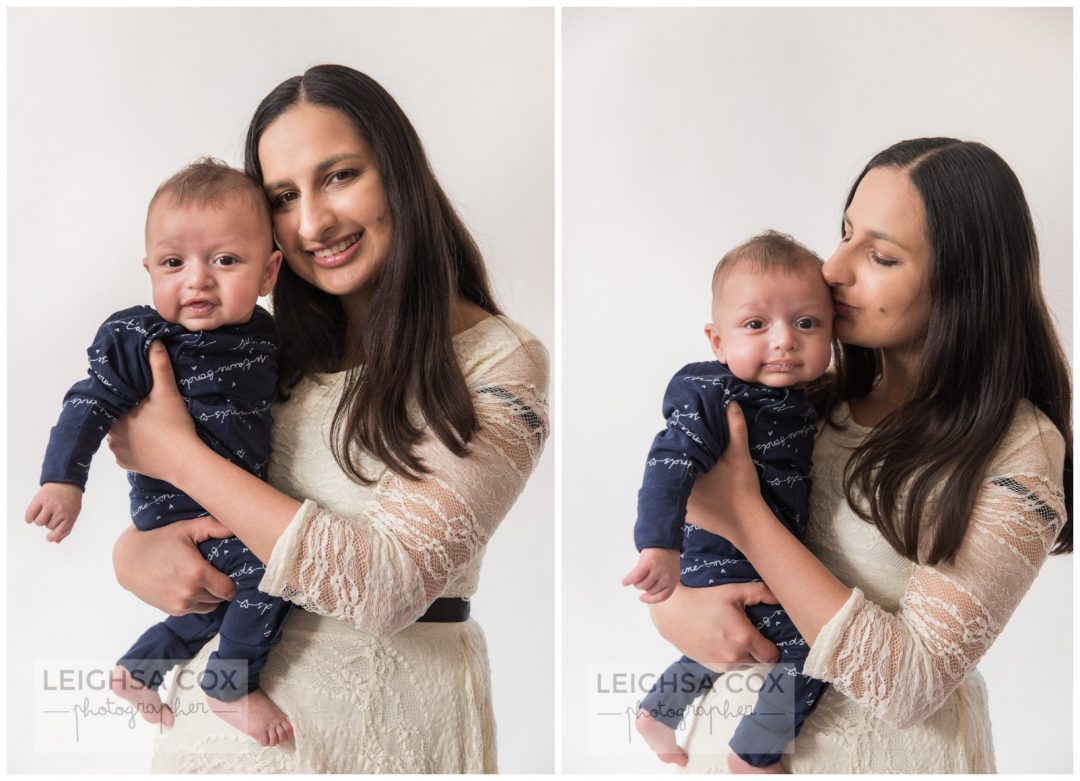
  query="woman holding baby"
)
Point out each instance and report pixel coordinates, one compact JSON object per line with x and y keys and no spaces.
{"x":413,"y":414}
{"x":941,"y":477}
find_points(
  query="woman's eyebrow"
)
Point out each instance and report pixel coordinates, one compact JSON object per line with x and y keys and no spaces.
{"x":319,"y":170}
{"x":876,"y":234}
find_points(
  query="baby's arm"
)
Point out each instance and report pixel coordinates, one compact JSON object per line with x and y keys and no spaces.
{"x":55,"y":506}
{"x":687,"y":446}
{"x":656,"y":573}
{"x":116,"y":381}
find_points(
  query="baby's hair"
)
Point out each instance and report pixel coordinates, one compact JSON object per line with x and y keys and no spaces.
{"x":768,"y":251}
{"x":209,"y":181}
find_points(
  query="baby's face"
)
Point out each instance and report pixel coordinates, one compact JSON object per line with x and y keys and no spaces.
{"x":209,"y":263}
{"x":773,"y":328}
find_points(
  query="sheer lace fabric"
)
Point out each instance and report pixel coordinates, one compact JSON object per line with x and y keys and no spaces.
{"x":366,"y":689}
{"x":901,"y":652}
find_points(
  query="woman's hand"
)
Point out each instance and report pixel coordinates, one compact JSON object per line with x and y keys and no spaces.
{"x":164,"y":568}
{"x":710,"y":625}
{"x":154,"y":437}
{"x":728,"y":495}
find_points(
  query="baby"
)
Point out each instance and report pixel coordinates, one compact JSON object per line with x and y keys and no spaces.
{"x":772,"y":325}
{"x":210,"y":255}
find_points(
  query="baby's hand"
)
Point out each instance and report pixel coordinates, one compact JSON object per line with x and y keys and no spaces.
{"x":55,"y":506}
{"x":656,"y":573}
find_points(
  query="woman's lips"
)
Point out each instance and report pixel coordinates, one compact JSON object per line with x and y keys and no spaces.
{"x":843,"y":310}
{"x":333,"y":261}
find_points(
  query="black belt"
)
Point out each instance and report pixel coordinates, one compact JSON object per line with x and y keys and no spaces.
{"x":447,"y":610}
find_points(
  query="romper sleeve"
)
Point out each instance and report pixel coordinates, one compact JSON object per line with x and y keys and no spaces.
{"x":693,"y":438}
{"x":903,"y":665}
{"x":118,"y":378}
{"x":380,"y":571}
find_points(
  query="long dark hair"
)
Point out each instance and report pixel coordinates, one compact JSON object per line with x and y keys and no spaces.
{"x":402,"y":350}
{"x":990,"y":343}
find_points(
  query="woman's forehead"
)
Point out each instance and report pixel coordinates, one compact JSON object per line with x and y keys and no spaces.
{"x":304,"y":138}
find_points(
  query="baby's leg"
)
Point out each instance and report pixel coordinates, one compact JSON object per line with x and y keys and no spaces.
{"x":146,"y":700}
{"x":665,"y":706}
{"x":139,"y":674}
{"x":231,"y":682}
{"x":786,"y":698}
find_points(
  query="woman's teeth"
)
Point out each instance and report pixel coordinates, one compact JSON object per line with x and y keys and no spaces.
{"x":338,"y":248}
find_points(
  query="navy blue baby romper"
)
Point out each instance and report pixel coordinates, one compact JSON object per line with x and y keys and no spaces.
{"x":781,"y":426}
{"x":228,"y":378}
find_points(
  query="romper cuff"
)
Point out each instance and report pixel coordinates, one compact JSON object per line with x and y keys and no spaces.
{"x":280,"y":565}
{"x":828,"y":639}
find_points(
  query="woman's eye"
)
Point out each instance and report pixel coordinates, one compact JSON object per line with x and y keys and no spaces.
{"x":881,"y":261}
{"x":284,"y":199}
{"x":805,"y":323}
{"x":342,"y":176}
{"x":225,"y":260}
{"x":754,"y":325}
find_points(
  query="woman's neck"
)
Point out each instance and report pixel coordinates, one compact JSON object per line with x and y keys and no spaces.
{"x":891,"y":389}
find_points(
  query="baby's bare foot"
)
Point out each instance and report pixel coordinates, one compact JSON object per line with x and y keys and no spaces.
{"x":661,"y":739}
{"x":737,"y":764}
{"x":146,"y":700}
{"x":255,"y":715}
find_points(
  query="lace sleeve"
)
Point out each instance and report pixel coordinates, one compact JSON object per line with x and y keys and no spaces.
{"x":904,"y":665}
{"x":380,"y":571}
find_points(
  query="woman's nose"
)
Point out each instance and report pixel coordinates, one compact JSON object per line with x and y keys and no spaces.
{"x":837,"y":269}
{"x":316,"y":219}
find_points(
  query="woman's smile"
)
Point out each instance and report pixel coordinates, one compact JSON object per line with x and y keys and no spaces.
{"x":339,"y":253}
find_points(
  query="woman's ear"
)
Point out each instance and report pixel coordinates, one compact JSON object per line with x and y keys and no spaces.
{"x":273,"y":265}
{"x":717,"y":345}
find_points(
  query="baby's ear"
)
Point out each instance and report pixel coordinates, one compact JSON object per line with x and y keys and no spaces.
{"x":273,"y":266}
{"x":146,"y":264}
{"x":717,"y":345}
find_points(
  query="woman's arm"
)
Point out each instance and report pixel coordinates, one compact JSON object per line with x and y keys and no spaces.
{"x":710,"y":624}
{"x":727,"y":501}
{"x":158,"y":439}
{"x":380,"y":571}
{"x":164,"y":568}
{"x":903,"y":665}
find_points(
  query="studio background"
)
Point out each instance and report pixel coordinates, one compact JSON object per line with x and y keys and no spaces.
{"x":687,"y":131}
{"x":104,"y":105}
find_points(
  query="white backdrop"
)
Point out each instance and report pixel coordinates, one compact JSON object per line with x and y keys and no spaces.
{"x":103,"y":105}
{"x":687,"y":131}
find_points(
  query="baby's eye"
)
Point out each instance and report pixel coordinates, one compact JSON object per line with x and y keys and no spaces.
{"x":225,"y":260}
{"x":805,"y":323}
{"x":754,"y":325}
{"x":172,"y":263}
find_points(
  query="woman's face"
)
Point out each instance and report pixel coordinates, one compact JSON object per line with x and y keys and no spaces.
{"x":331,"y":219}
{"x":880,"y":271}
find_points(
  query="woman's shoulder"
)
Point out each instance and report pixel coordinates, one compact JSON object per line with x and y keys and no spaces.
{"x":497,"y":349}
{"x":1031,"y":445}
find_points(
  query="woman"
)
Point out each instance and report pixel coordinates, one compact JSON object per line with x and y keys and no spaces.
{"x":414,"y":414}
{"x":941,"y":477}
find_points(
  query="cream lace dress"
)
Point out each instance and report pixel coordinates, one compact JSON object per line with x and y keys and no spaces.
{"x":901,"y":653}
{"x":366,"y":688}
